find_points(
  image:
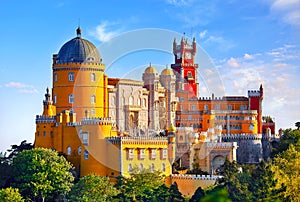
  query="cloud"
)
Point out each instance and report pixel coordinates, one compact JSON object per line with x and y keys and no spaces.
{"x":202,"y":34}
{"x":102,"y":32}
{"x":279,"y":79}
{"x":232,"y":62}
{"x":22,"y":88}
{"x":220,"y":42}
{"x":287,"y":10}
{"x":248,"y":56}
{"x":179,"y":2}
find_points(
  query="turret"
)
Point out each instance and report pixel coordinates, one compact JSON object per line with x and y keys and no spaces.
{"x":49,"y":108}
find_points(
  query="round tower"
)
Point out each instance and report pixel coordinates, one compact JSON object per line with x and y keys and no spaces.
{"x":79,"y":82}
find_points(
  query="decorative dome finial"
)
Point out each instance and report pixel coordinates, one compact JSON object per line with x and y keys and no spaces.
{"x":78,"y":32}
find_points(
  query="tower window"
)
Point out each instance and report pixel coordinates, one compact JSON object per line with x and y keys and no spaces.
{"x":217,"y":107}
{"x":79,"y":150}
{"x":71,"y":76}
{"x":130,"y":100}
{"x":44,"y":133}
{"x":163,"y":167}
{"x":85,"y":138}
{"x":193,"y":107}
{"x":93,"y":77}
{"x":229,"y":107}
{"x":153,"y":154}
{"x":54,"y":99}
{"x":71,"y":98}
{"x":164,"y":153}
{"x":69,"y":150}
{"x":86,"y":154}
{"x":93,"y":99}
{"x":205,"y":107}
{"x":55,"y":77}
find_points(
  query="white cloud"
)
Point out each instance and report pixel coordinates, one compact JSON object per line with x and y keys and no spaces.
{"x":23,"y":88}
{"x":179,"y":2}
{"x":202,"y":34}
{"x":232,"y":62}
{"x":279,"y":79}
{"x":220,"y":42}
{"x":102,"y":32}
{"x":248,"y":56}
{"x":287,"y":10}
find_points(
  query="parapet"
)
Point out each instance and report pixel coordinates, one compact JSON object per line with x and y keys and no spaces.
{"x":242,"y":136}
{"x":195,"y":177}
{"x":44,"y":119}
{"x":221,"y":144}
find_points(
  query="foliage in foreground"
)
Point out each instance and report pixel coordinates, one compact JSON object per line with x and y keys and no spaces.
{"x":41,"y":173}
{"x":10,"y":195}
{"x":92,"y":188}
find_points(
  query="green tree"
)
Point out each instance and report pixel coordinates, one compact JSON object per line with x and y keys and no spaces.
{"x":41,"y":174}
{"x":6,"y":162}
{"x":219,"y":195}
{"x":10,"y":195}
{"x":289,"y":137}
{"x":297,"y":124}
{"x":92,"y":188}
{"x":199,"y":193}
{"x":140,"y":186}
{"x":175,"y":194}
{"x":286,"y":168}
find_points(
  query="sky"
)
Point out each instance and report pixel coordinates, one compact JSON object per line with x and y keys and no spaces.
{"x":242,"y":43}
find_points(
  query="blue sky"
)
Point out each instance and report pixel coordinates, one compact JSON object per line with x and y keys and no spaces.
{"x":249,"y":43}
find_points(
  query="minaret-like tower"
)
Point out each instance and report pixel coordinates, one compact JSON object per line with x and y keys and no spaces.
{"x":79,"y":82}
{"x":185,"y":67}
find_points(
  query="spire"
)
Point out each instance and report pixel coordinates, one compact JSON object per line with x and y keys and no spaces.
{"x":78,"y":32}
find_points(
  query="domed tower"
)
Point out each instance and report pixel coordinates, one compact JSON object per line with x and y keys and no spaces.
{"x":79,"y":82}
{"x":168,"y":81}
{"x":152,"y":84}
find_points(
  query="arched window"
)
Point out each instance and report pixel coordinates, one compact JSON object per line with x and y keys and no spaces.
{"x":54,"y":99}
{"x":93,"y":77}
{"x":71,"y":76}
{"x":152,"y":167}
{"x":71,"y":98}
{"x":69,"y":150}
{"x":139,"y":101}
{"x":93,"y":99}
{"x":130,"y":100}
{"x":86,"y":154}
{"x":55,"y":77}
{"x":129,"y":167}
{"x":79,"y":150}
{"x":113,"y":100}
{"x":141,"y":166}
{"x":205,"y":107}
{"x":144,"y":102}
{"x":163,"y":167}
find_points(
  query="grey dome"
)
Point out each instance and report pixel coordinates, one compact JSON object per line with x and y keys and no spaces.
{"x":78,"y":50}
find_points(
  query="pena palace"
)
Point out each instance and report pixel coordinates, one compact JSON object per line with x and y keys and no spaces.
{"x":109,"y":126}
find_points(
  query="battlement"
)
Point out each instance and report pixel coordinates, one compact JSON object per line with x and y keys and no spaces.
{"x":242,"y":136}
{"x":44,"y":119}
{"x":195,"y":177}
{"x":138,"y":139}
{"x":254,"y":93}
{"x":221,"y":145}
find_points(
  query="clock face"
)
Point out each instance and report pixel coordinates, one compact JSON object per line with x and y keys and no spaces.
{"x":188,"y":55}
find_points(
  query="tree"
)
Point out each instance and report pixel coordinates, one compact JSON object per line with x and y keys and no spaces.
{"x":297,"y":124}
{"x":140,"y":186}
{"x":6,"y":161}
{"x":220,"y":195}
{"x":40,"y":173}
{"x":286,"y":168}
{"x":10,"y":195}
{"x":175,"y":194}
{"x":289,"y":137}
{"x":199,"y":193}
{"x":92,"y":188}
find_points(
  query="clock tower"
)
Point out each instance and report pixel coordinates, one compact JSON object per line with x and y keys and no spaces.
{"x":184,"y":67}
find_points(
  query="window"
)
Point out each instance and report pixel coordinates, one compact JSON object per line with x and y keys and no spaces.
{"x":69,"y":150}
{"x":85,"y":138}
{"x":54,"y":99}
{"x":80,"y":133}
{"x":190,"y":117}
{"x":93,"y":112}
{"x":142,"y":154}
{"x":181,"y":138}
{"x":153,"y":154}
{"x":71,"y":76}
{"x":164,"y":154}
{"x":181,"y":107}
{"x":141,"y":166}
{"x":152,"y":167}
{"x":129,"y":167}
{"x":251,"y":126}
{"x":130,"y":154}
{"x":243,"y":107}
{"x":163,"y":167}
{"x":139,"y":101}
{"x":93,"y":99}
{"x":44,"y":133}
{"x":55,"y":77}
{"x":205,"y":107}
{"x":217,"y":107}
{"x":144,"y":102}
{"x":71,"y":98}
{"x":229,"y":107}
{"x":86,"y":154}
{"x":194,"y":107}
{"x":189,"y":75}
{"x":79,"y":150}
{"x":113,"y":100}
{"x":51,"y":133}
{"x":130,"y":100}
{"x":181,"y":99}
{"x":93,"y":77}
